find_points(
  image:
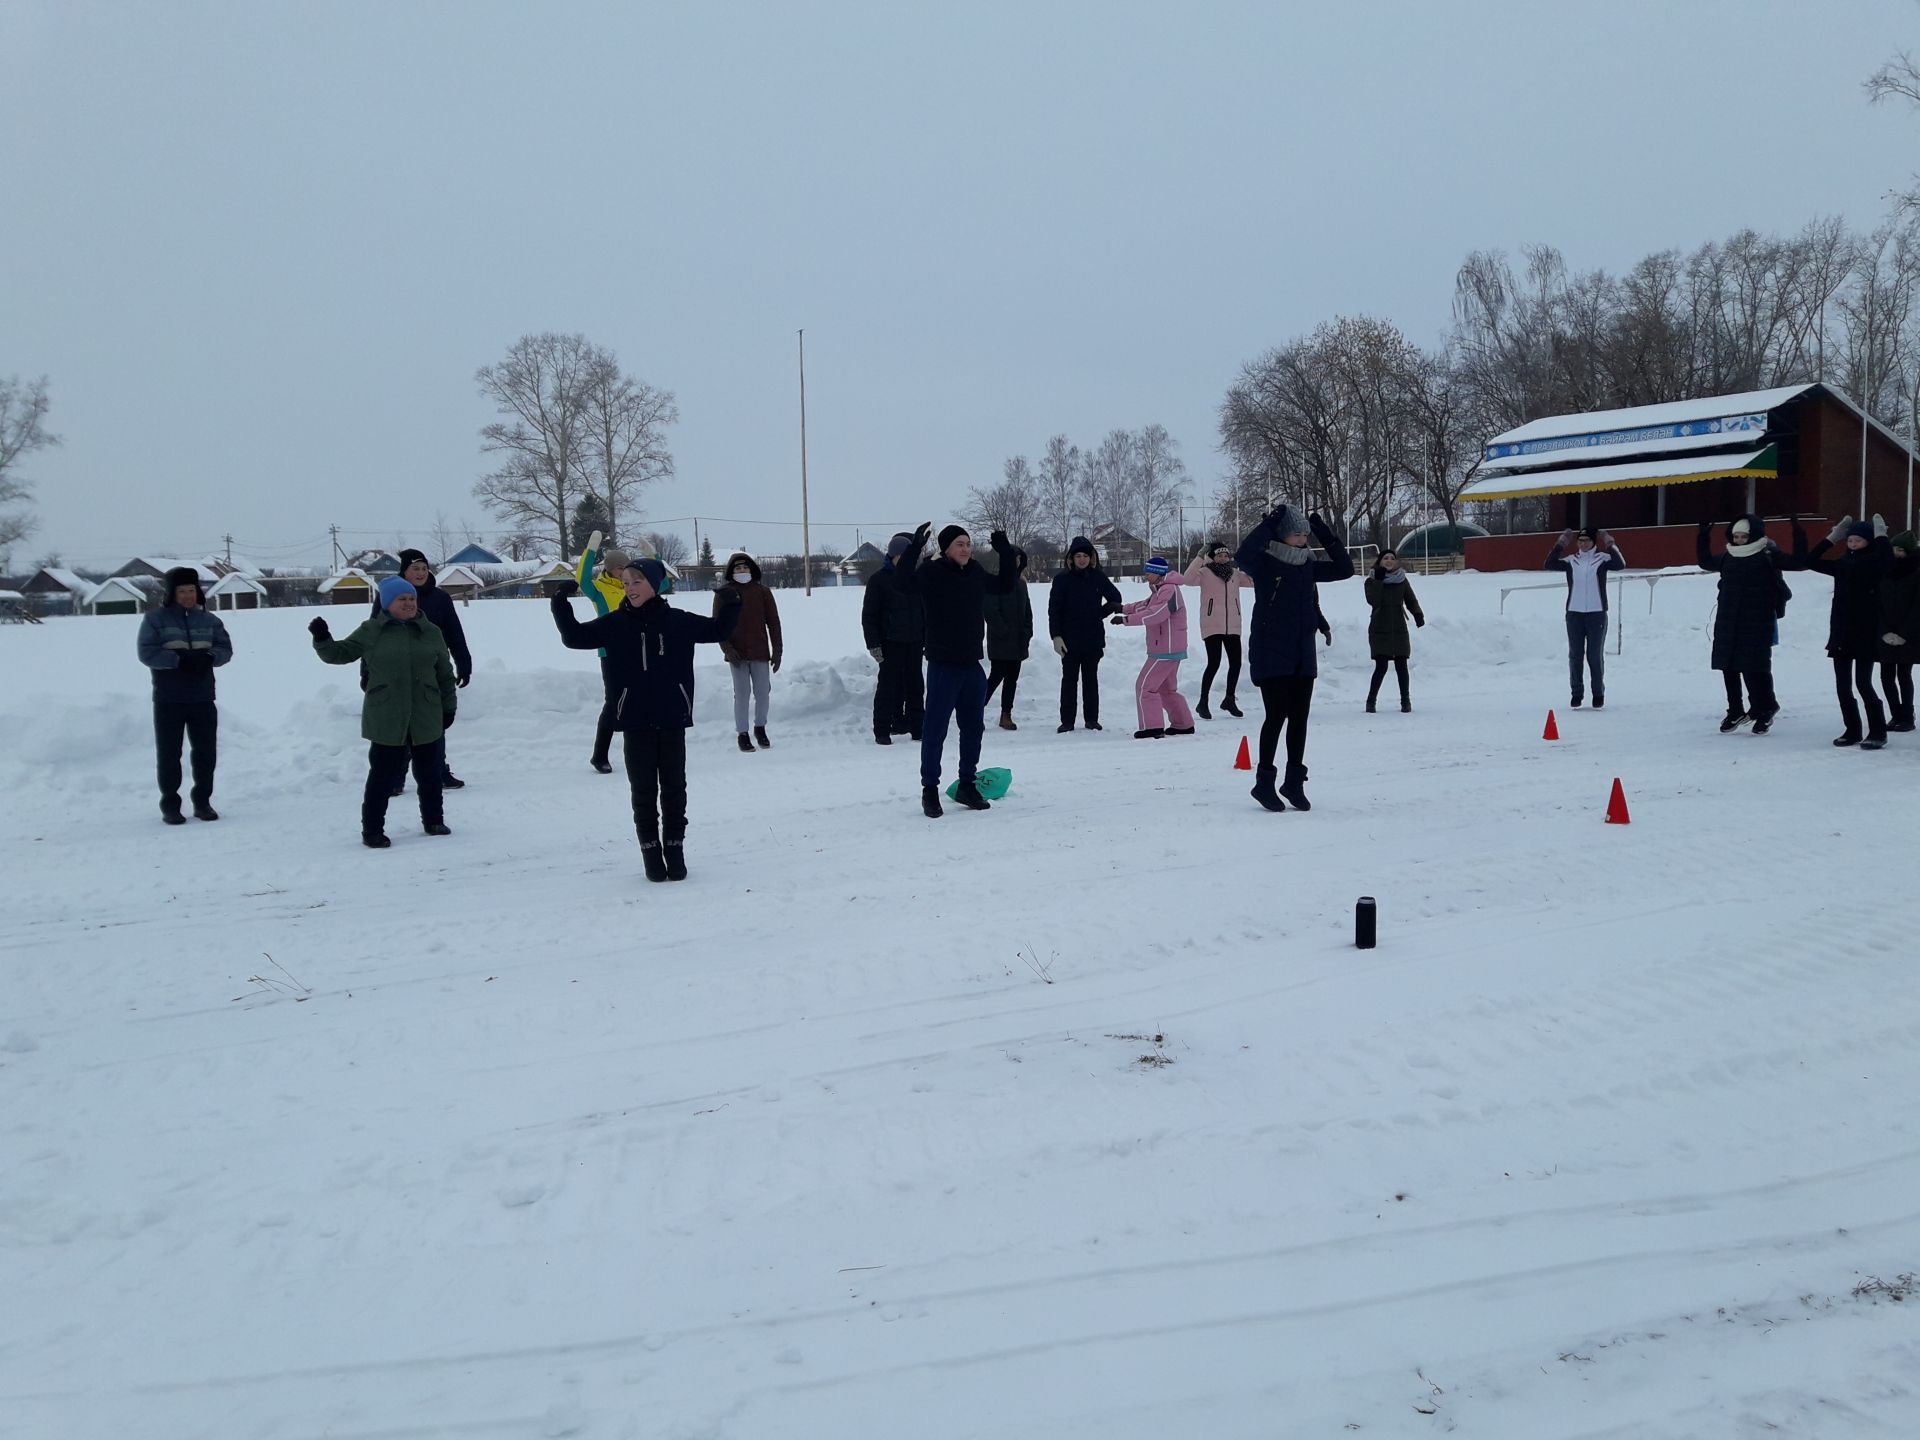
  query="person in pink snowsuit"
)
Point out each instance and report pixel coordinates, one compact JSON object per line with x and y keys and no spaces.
{"x":1163,"y":710}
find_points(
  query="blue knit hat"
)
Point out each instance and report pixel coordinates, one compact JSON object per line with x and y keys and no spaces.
{"x":655,"y":572}
{"x":1158,"y":565}
{"x":392,"y":588}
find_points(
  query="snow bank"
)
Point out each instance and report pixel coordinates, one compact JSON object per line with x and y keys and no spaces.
{"x":1079,"y":1118}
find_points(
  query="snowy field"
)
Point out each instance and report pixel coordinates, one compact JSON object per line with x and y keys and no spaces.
{"x":1080,"y":1118}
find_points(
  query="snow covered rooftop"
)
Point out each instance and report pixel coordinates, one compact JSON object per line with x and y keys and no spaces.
{"x":1677,"y":414}
{"x":1572,"y":479}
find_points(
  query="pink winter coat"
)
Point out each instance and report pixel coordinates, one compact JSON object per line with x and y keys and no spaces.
{"x":1219,"y":604}
{"x":1164,"y":613}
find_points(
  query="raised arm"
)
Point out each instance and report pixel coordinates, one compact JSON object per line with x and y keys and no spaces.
{"x":1554,"y":562}
{"x":1703,"y":548}
{"x":716,"y":629}
{"x":342,"y":652}
{"x":1013,"y":564}
{"x":575,"y":636}
{"x":1339,"y":564}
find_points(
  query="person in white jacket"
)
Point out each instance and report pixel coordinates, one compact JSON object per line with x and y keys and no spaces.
{"x":1586,"y":558}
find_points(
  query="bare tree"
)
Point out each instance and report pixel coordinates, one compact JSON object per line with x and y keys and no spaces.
{"x":1899,"y":79}
{"x":1159,"y":485}
{"x":626,"y":435}
{"x":541,"y":388}
{"x":443,"y":535}
{"x":1058,"y":485}
{"x":23,"y":430}
{"x":1013,"y":505}
{"x":670,"y":547}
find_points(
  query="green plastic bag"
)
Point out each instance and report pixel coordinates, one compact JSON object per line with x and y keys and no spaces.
{"x":991,"y":783}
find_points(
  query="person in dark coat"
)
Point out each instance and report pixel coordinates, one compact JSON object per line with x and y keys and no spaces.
{"x":1753,"y":597}
{"x":1853,"y":626}
{"x":1078,"y":605}
{"x":649,"y":647}
{"x":182,"y":642}
{"x":1391,"y":599}
{"x":893,"y":621}
{"x":1009,"y":636}
{"x":438,"y":609}
{"x":1900,"y":630}
{"x":955,"y":590}
{"x":409,"y":704}
{"x":1280,"y":651}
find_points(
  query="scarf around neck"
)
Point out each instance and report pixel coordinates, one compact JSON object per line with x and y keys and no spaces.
{"x":1288,"y":554}
{"x":1224,"y":571}
{"x":1741,"y":552}
{"x":1392,"y":577}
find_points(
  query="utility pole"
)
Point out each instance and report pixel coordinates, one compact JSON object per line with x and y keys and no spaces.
{"x":333,"y":533}
{"x":806,"y":533}
{"x":229,"y":539}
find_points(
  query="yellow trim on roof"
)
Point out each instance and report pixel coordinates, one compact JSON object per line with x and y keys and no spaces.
{"x":1565,"y":485}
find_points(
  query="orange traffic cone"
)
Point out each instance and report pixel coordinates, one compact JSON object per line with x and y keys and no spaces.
{"x":1617,"y":806}
{"x":1553,"y":730}
{"x":1243,"y":761}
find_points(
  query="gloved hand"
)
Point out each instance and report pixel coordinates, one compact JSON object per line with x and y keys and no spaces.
{"x":1060,"y":646}
{"x":1419,"y":622}
{"x":998,"y":540}
{"x":1893,"y":639}
{"x":446,"y":719}
{"x":877,"y":653}
{"x":463,"y":681}
{"x":1326,"y":634}
{"x":1566,"y":537}
{"x":1118,"y":620}
{"x":1605,"y":542}
{"x":196,"y":662}
{"x":920,"y":537}
{"x":318,"y":629}
{"x":1705,"y":526}
{"x":1838,"y":534}
{"x":1879,"y":525}
{"x":776,"y":664}
{"x":565,"y":590}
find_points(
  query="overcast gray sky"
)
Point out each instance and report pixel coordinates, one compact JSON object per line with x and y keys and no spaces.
{"x":259,"y":249}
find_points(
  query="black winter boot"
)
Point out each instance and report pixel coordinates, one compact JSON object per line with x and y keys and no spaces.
{"x":676,"y":857}
{"x":1231,"y":708}
{"x":1406,"y":704}
{"x":968,"y":794}
{"x":760,"y":737}
{"x":1295,"y":788}
{"x":930,"y":802}
{"x":746,"y":743}
{"x":1155,"y":733}
{"x":170,"y":810}
{"x":1201,"y":709}
{"x":436,"y":827}
{"x":653,"y":860}
{"x":1370,"y":703}
{"x":203,"y":811}
{"x":374,"y":840}
{"x":1263,"y":788}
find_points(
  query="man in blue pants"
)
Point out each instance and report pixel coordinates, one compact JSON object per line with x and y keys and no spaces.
{"x":954,"y":590}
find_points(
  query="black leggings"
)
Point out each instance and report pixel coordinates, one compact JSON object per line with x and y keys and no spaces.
{"x":1851,"y":673}
{"x":1380,"y":663}
{"x":1896,"y":676}
{"x":1009,"y":671}
{"x":1758,"y":701}
{"x":1288,"y":699}
{"x":1215,"y":645}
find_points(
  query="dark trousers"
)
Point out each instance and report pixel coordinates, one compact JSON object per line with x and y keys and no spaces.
{"x":657,"y":776}
{"x":198,"y":723}
{"x":1079,"y":675}
{"x":1896,"y":676}
{"x":1758,"y":701}
{"x":957,"y":693}
{"x":1218,"y":645}
{"x":1288,"y":700}
{"x":1851,"y":673}
{"x":1380,"y":663}
{"x":387,"y":768}
{"x":897,"y":705}
{"x":603,"y":730}
{"x":1007,"y":672}
{"x":1587,"y":636}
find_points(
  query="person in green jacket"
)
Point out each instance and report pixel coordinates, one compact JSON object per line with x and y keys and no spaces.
{"x":1392,"y":600}
{"x":408,"y":706}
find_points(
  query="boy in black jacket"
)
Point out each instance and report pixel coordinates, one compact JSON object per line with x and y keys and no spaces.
{"x":955,"y":591}
{"x":649,"y":648}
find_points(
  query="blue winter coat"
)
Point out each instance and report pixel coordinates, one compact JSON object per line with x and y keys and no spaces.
{"x":169,"y":633}
{"x":1286,"y":609}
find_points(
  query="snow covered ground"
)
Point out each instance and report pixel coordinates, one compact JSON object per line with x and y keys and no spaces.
{"x":1081,"y":1118}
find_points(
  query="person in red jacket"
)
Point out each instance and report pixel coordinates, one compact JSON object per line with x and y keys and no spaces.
{"x":1156,"y":690}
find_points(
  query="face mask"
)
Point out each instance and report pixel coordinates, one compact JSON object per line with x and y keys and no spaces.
{"x":743,"y":577}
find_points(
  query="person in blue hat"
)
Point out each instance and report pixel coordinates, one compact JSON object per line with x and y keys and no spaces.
{"x":408,"y":707}
{"x":649,"y":667}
